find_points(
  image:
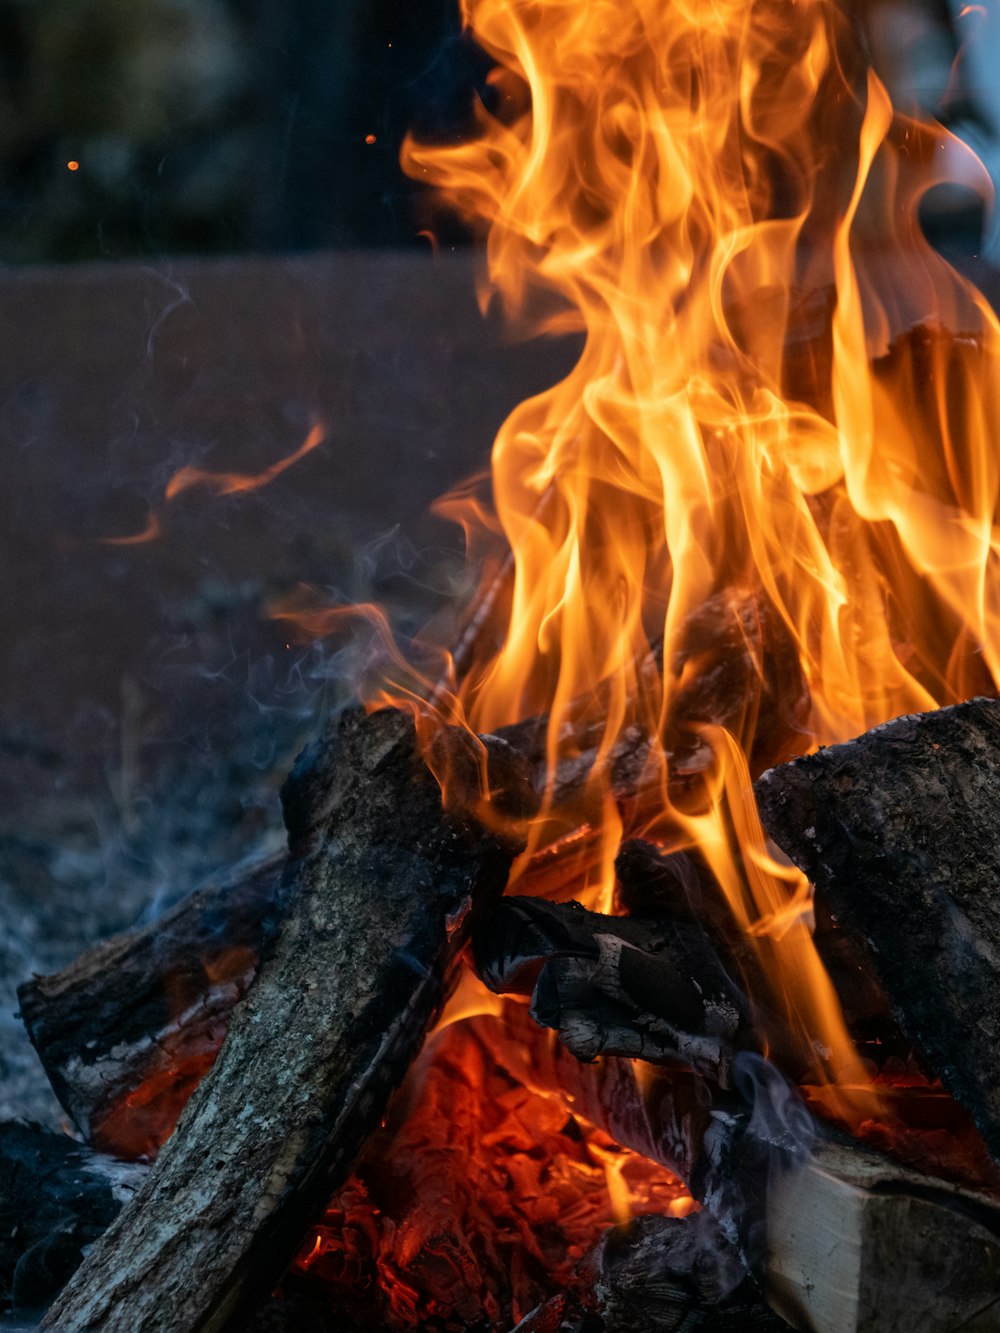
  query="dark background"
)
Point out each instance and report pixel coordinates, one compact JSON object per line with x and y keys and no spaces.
{"x":211,"y":126}
{"x":235,"y":126}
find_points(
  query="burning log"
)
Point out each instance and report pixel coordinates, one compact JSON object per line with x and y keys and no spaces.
{"x":680,"y":885}
{"x":735,"y":666}
{"x":150,"y":1008}
{"x":57,"y":1197}
{"x":898,"y":832}
{"x":380,"y":879}
{"x":840,"y":1239}
{"x":652,"y":990}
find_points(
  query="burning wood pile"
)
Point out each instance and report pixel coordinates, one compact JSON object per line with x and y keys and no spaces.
{"x":530,"y":884}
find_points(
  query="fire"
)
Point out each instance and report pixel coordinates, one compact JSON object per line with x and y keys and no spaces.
{"x":783,"y":401}
{"x":758,"y":516}
{"x":478,"y":1199}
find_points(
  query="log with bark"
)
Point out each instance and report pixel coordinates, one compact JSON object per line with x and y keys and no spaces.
{"x":898,"y":832}
{"x":126,"y":1032}
{"x":381,"y":879}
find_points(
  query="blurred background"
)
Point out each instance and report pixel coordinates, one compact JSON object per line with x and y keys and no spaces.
{"x":208,"y":126}
{"x":146,"y":128}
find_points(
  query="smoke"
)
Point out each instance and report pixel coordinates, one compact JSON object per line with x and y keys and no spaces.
{"x":768,"y":1131}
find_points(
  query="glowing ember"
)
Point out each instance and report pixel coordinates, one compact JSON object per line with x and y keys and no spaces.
{"x":479,"y":1199}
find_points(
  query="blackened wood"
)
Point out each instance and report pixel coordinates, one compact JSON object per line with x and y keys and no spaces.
{"x":841,"y":1239}
{"x":151,"y":1006}
{"x":735,"y":666}
{"x":679,"y":885}
{"x":653,"y":990}
{"x":381,"y":879}
{"x":56,"y":1198}
{"x":673,"y":1275}
{"x":898,"y":830}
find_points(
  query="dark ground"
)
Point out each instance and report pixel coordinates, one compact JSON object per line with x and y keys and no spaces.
{"x":148,"y":707}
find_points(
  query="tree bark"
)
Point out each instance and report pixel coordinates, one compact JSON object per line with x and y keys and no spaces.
{"x":381,"y":879}
{"x":898,"y":831}
{"x":148,"y":1009}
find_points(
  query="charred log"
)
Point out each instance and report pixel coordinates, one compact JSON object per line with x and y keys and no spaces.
{"x":652,"y":990}
{"x":56,"y":1198}
{"x":680,"y":885}
{"x":840,"y":1239}
{"x":380,"y":879}
{"x":150,"y":1008}
{"x":672,"y":1275}
{"x":898,"y":832}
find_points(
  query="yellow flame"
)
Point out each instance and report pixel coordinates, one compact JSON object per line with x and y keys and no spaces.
{"x":783,"y":401}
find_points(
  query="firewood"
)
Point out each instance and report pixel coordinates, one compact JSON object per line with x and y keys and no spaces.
{"x":653,"y":990}
{"x":381,"y":879}
{"x":56,"y":1198}
{"x":680,"y":885}
{"x":898,"y":832}
{"x":839,"y":1238}
{"x":668,"y":1275}
{"x":150,"y":1007}
{"x":660,"y":1275}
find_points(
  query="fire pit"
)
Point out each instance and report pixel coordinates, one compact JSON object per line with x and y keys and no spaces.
{"x":663,"y":886}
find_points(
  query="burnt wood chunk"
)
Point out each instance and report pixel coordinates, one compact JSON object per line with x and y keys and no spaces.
{"x":899,"y":832}
{"x":150,"y":1007}
{"x":381,"y":879}
{"x":608,"y":985}
{"x":56,"y":1198}
{"x":673,"y":1275}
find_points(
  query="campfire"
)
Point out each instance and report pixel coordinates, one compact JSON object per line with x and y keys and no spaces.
{"x":634,"y":960}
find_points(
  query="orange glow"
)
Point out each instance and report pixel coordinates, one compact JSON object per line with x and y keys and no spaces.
{"x":222,"y":483}
{"x":72,"y":166}
{"x":783,"y":407}
{"x":369,"y":138}
{"x":479,"y":1203}
{"x":239,"y":483}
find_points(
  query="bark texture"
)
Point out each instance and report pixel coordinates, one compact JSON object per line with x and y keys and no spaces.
{"x":381,"y":879}
{"x":898,"y":831}
{"x":151,"y":1007}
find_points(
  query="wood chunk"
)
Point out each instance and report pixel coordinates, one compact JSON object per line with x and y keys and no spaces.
{"x":148,"y":1009}
{"x":381,"y":879}
{"x":680,"y":885}
{"x":673,"y":1275}
{"x":898,"y":831}
{"x":857,"y":1244}
{"x":652,"y":990}
{"x":840,"y":1239}
{"x":56,"y":1198}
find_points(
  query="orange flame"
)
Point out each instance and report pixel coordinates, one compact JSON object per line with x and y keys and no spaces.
{"x":222,"y":483}
{"x":784,"y":399}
